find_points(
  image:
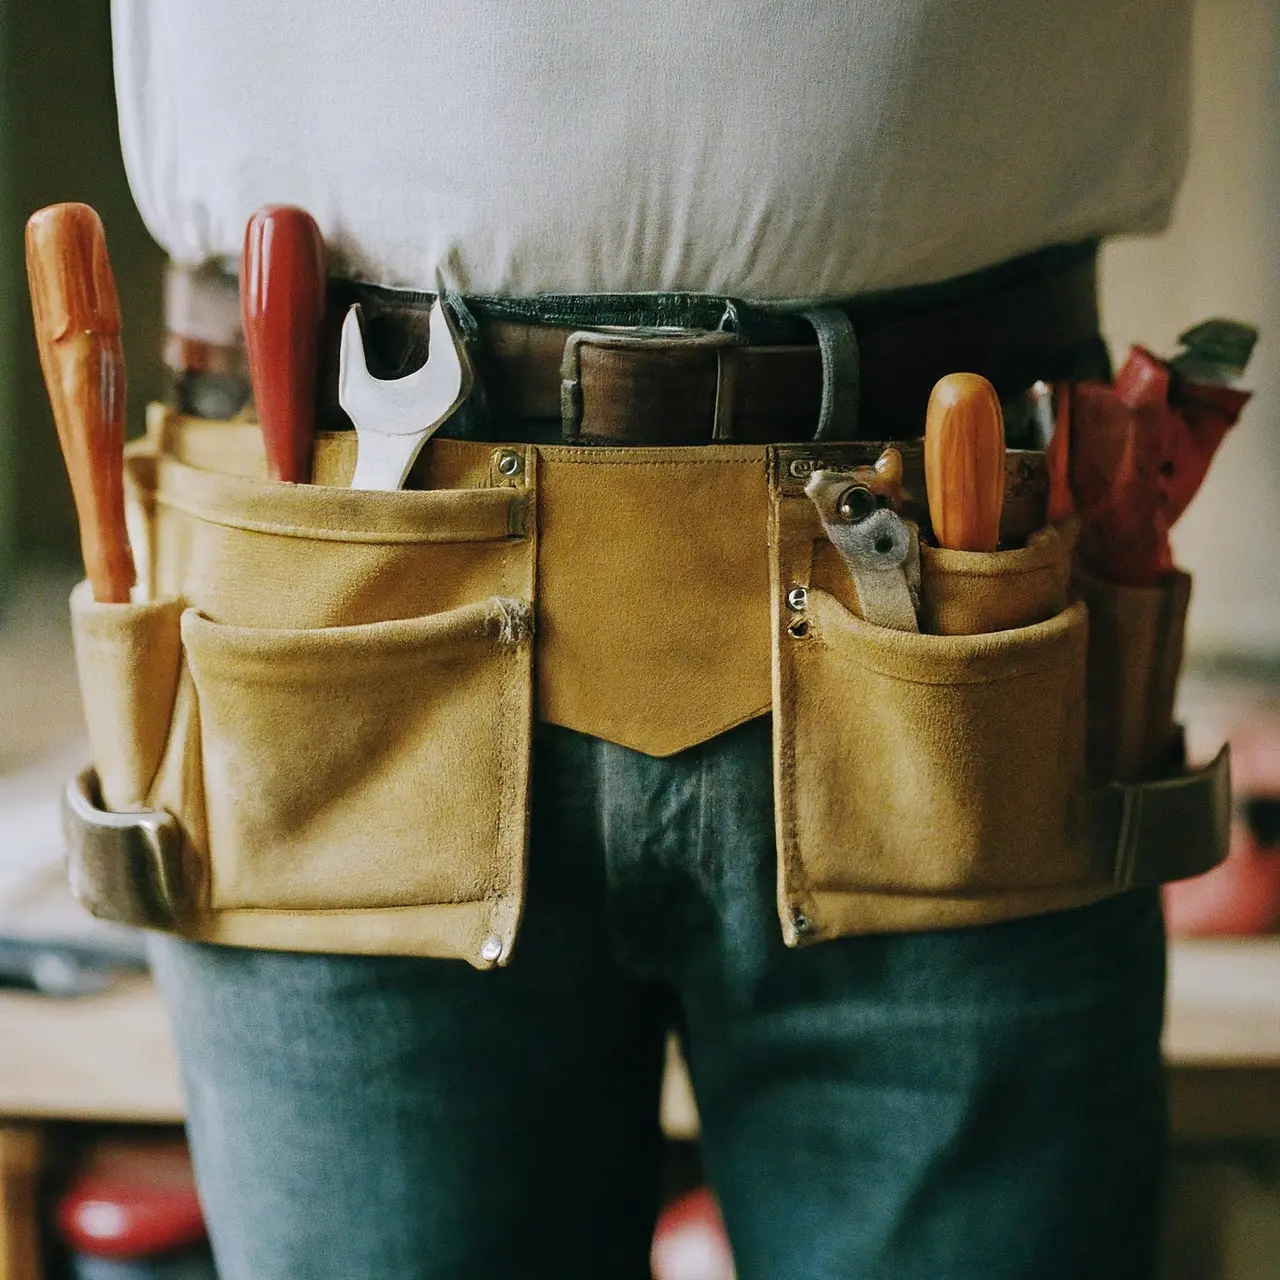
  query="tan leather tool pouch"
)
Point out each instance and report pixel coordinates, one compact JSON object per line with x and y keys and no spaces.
{"x":914,"y":769}
{"x":316,"y":732}
{"x":332,"y":694}
{"x":940,"y":778}
{"x":924,"y":779}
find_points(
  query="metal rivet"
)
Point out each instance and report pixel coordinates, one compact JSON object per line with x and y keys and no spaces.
{"x":510,"y":463}
{"x":797,"y":599}
{"x":801,"y":921}
{"x":799,"y":628}
{"x":491,"y":948}
{"x":856,"y":503}
{"x":802,"y":467}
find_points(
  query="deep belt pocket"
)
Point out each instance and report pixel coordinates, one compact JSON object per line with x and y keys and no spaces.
{"x":921,"y":779}
{"x":928,"y":764}
{"x":381,"y":765}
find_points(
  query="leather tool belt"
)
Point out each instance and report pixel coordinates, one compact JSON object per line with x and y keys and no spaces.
{"x":316,"y":732}
{"x":588,"y":369}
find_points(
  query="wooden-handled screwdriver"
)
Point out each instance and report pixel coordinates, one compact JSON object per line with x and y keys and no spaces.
{"x":77,"y":319}
{"x":964,"y":463}
{"x":282,"y":285}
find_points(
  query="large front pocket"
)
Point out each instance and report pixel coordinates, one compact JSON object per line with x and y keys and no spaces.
{"x":371,"y":766}
{"x":925,"y":765}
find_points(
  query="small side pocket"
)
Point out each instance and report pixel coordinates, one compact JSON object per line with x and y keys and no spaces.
{"x":1135,"y":658}
{"x":125,"y":867}
{"x":128,"y":658}
{"x":370,"y":766}
{"x":966,"y":593}
{"x":919,"y":764}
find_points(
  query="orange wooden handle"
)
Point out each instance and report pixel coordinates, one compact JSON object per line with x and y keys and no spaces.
{"x":282,"y":284}
{"x":77,"y":320}
{"x":964,"y":466}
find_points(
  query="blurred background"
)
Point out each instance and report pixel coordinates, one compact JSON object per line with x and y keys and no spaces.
{"x":1221,"y":257}
{"x":58,"y":141}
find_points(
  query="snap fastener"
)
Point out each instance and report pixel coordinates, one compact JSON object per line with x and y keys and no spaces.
{"x":510,"y":463}
{"x":798,"y":599}
{"x":491,"y":949}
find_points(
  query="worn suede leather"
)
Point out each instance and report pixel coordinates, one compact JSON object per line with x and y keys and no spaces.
{"x":334,"y":689}
{"x":348,"y":728}
{"x":1135,"y":657}
{"x":964,"y":593}
{"x":127,"y":660}
{"x":312,"y":739}
{"x":613,"y":523}
{"x":653,"y":592}
{"x":926,"y":780}
{"x":914,"y":764}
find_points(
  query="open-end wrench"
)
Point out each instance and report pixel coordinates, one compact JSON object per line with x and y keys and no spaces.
{"x":395,"y":418}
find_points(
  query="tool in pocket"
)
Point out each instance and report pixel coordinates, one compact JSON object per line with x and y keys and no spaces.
{"x":395,"y":418}
{"x":282,"y":283}
{"x":879,"y":548}
{"x":964,"y":462}
{"x":77,"y":321}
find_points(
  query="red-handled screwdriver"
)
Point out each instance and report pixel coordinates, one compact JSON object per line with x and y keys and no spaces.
{"x":282,"y":287}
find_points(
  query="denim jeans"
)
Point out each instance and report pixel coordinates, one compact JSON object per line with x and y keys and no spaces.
{"x":985,"y":1102}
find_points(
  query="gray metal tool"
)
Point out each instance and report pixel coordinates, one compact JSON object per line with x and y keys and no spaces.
{"x":880,"y":549}
{"x":395,"y":418}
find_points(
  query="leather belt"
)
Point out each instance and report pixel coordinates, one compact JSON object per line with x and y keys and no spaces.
{"x":758,"y":380}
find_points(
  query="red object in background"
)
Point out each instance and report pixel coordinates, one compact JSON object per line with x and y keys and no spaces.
{"x":132,"y":1198}
{"x":1242,"y":895}
{"x":1138,"y":453}
{"x":689,"y":1242}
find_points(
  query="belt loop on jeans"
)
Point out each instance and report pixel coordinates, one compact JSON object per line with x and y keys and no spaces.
{"x":841,"y":374}
{"x":723,"y":342}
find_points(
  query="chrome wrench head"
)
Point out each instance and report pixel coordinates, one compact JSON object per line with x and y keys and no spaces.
{"x":394,"y":418}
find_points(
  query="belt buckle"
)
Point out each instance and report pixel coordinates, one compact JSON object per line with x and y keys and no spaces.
{"x":638,"y":338}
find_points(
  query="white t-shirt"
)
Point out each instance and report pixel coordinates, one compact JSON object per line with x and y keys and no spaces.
{"x":763,"y":148}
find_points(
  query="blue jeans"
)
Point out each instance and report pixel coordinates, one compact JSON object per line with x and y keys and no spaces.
{"x":984,"y":1102}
